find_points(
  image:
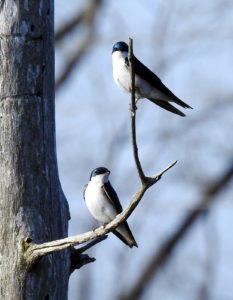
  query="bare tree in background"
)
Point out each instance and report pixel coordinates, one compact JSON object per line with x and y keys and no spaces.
{"x":86,"y":18}
{"x":165,"y":36}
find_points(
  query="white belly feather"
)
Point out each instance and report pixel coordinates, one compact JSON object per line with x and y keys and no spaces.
{"x":98,"y":204}
{"x":121,"y":76}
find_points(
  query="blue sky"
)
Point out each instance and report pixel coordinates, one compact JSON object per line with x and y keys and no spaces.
{"x":189,"y":45}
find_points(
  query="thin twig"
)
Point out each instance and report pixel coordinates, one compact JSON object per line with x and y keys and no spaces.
{"x":92,"y":243}
{"x":73,"y":61}
{"x":158,"y":176}
{"x":133,"y":114}
{"x":88,"y":17}
{"x":85,"y":16}
{"x":69,"y":27}
{"x":144,"y":179}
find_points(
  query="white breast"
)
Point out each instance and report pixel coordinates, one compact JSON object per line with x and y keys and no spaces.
{"x":98,"y":204}
{"x":121,"y":74}
{"x":122,"y":78}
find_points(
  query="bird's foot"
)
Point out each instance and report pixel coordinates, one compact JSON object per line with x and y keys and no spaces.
{"x":132,"y":110}
{"x":101,"y":226}
{"x":94,"y":229}
{"x":104,"y":225}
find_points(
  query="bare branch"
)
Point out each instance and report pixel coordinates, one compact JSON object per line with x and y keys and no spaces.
{"x":165,"y":251}
{"x":87,"y":17}
{"x":133,"y":115}
{"x":78,"y":259}
{"x":34,"y":251}
{"x":92,"y":243}
{"x":67,"y":28}
{"x":144,"y":179}
{"x":74,"y":60}
{"x":158,"y":176}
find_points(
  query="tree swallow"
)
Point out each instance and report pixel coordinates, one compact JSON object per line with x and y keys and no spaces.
{"x":104,"y":205}
{"x":147,"y":84}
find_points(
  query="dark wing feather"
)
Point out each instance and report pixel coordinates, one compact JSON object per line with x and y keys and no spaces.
{"x":112,"y":196}
{"x":145,"y":73}
{"x":126,"y":241}
{"x":167,"y":106}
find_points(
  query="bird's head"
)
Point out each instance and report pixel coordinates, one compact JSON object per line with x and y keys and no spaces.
{"x":120,"y":46}
{"x":100,"y":173}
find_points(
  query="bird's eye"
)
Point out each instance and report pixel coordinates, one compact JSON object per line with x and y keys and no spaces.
{"x":115,"y":48}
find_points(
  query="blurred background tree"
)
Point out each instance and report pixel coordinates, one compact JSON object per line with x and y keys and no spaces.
{"x":188,"y":44}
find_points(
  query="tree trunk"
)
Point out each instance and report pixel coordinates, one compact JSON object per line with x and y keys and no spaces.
{"x":32,"y":204}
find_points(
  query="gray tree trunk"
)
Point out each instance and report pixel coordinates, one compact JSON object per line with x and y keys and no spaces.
{"x":32,"y":204}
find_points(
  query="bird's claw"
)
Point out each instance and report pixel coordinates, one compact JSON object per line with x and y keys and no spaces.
{"x":102,"y":226}
{"x":94,"y":229}
{"x":132,"y":110}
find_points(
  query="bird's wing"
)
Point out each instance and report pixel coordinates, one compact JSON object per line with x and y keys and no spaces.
{"x":145,"y":73}
{"x":109,"y":191}
{"x":127,"y":237}
{"x":167,"y":106}
{"x":142,"y":71}
{"x":84,"y":190}
{"x":130,"y":240}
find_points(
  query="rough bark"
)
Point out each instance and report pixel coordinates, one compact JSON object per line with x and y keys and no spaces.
{"x":32,"y":204}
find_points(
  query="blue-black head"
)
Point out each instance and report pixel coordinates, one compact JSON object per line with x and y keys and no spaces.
{"x":99,"y":171}
{"x":120,"y":46}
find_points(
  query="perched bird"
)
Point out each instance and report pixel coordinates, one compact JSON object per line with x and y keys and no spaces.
{"x":103,"y":203}
{"x":147,"y":84}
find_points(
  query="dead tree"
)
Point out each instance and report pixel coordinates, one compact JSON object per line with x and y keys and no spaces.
{"x":32,"y":205}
